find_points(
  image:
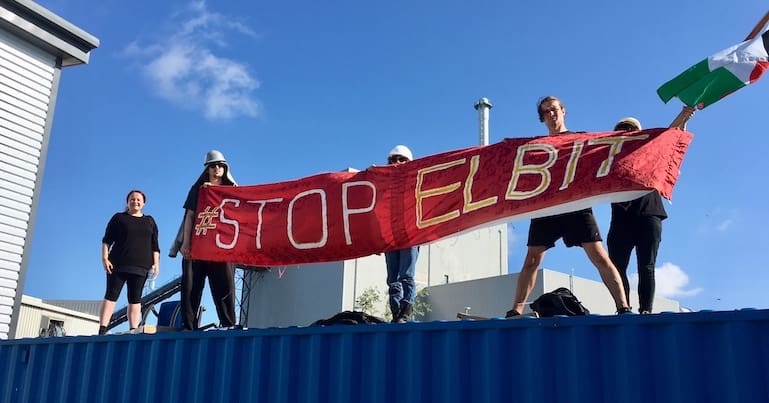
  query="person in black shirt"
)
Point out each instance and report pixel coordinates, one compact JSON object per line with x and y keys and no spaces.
{"x":221,"y":275}
{"x":638,"y":224}
{"x":577,"y":228}
{"x":129,"y":252}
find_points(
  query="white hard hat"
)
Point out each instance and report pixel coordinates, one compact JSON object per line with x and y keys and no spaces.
{"x":628,"y":121}
{"x":214,"y":156}
{"x":402,"y":151}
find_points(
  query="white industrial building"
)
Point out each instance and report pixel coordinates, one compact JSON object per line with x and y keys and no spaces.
{"x":465,"y":273}
{"x":39,"y":318}
{"x":299,"y":295}
{"x":492,"y":297}
{"x":35,"y":45}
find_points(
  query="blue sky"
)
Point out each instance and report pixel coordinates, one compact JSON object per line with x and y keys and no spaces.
{"x":293,"y":88}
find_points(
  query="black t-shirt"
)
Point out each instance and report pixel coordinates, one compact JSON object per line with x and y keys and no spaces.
{"x":649,"y":204}
{"x":588,"y":210}
{"x":133,"y":241}
{"x":191,"y":203}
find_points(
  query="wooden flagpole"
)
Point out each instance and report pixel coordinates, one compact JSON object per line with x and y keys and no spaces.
{"x":688,"y":112}
{"x":758,"y":27}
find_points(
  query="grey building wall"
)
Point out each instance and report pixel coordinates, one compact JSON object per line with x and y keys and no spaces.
{"x":88,"y":307}
{"x":492,"y":297}
{"x":299,"y":295}
{"x":295,"y":295}
{"x":34,"y":45}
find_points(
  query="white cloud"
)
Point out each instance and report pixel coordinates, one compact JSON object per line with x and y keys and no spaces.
{"x":671,"y":282}
{"x":186,"y":70}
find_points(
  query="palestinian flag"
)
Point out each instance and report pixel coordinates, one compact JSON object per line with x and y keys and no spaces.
{"x":721,"y":74}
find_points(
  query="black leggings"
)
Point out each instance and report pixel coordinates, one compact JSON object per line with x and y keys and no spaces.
{"x":643,"y":233}
{"x":115,"y":283}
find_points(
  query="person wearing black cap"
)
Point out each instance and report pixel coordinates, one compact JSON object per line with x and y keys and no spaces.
{"x":221,"y":276}
{"x":638,"y":224}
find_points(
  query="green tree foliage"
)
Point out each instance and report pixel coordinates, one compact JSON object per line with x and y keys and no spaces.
{"x":368,"y":300}
{"x":422,"y":304}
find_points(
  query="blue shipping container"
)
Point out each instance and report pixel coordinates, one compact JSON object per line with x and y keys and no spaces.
{"x":670,"y":357}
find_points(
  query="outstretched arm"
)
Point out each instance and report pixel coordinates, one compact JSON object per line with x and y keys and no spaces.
{"x":680,"y":121}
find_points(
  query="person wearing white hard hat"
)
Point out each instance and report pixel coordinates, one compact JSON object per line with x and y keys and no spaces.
{"x":638,"y":224}
{"x":221,"y":276}
{"x":401,"y":264}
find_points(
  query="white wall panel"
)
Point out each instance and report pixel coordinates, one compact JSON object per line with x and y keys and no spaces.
{"x":32,"y":99}
{"x":15,"y":193}
{"x":17,"y":146}
{"x":9,"y":270}
{"x":26,"y":83}
{"x":23,"y":111}
{"x":11,"y":213}
{"x":11,"y":230}
{"x":13,"y":222}
{"x":6,"y":200}
{"x":11,"y":245}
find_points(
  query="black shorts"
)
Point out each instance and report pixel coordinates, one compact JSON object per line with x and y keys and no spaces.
{"x":115,"y":282}
{"x":575,"y":228}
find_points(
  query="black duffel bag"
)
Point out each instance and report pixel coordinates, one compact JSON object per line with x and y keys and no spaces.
{"x":558,"y":302}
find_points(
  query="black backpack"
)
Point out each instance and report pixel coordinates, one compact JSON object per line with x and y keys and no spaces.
{"x":558,"y":302}
{"x":349,"y":318}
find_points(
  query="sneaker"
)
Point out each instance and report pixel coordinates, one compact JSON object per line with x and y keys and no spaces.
{"x":623,"y":311}
{"x":511,"y":314}
{"x":645,"y":313}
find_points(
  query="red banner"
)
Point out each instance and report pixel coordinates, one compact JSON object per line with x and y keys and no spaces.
{"x":337,"y":216}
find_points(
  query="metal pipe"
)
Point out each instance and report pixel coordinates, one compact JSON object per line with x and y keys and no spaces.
{"x":483,"y":106}
{"x":500,"y":251}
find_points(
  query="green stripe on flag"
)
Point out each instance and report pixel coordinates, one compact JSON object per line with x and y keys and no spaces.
{"x":682,"y":81}
{"x":700,"y":87}
{"x":709,"y":89}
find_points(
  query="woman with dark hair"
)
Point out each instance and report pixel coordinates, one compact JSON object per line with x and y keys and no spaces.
{"x":129,"y":253}
{"x":221,"y":276}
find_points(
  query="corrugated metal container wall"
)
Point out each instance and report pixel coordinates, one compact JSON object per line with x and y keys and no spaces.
{"x":689,"y":357}
{"x":27,"y":77}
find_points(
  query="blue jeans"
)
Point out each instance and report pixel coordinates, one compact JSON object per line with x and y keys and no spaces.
{"x":401,"y":265}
